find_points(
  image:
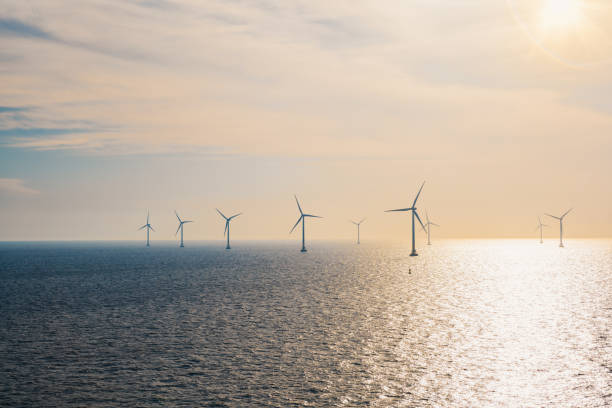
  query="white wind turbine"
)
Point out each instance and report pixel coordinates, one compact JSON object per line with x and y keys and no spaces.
{"x":540,"y":227}
{"x":358,"y":224}
{"x":428,"y":224}
{"x":180,"y":227}
{"x":227,"y":226}
{"x":560,"y":225}
{"x":148,"y":227}
{"x":414,"y":214}
{"x":302,"y":218}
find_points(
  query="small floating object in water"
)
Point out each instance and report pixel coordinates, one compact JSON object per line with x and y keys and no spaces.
{"x":409,"y":271}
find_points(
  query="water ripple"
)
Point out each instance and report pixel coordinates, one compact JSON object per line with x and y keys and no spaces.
{"x":468,"y":323}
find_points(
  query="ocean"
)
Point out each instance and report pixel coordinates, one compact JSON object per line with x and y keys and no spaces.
{"x":468,"y":323}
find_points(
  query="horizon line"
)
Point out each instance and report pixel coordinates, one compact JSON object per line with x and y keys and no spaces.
{"x":289,"y":240}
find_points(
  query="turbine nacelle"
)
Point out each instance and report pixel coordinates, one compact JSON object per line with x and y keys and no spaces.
{"x":302,"y":215}
{"x":540,"y":224}
{"x":415,"y":214}
{"x":428,"y":221}
{"x":302,"y":219}
{"x":227,"y":219}
{"x":561,"y":217}
{"x":181,"y":222}
{"x":560,"y":225}
{"x":358,"y":223}
{"x":147,"y":225}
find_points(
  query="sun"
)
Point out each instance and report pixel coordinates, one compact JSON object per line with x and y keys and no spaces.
{"x":561,"y":13}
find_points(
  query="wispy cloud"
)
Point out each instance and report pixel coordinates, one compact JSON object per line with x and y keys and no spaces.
{"x":16,"y":186}
{"x":17,"y":28}
{"x":91,"y":139}
{"x":38,"y":132}
{"x":9,"y":26}
{"x":261,"y":77}
{"x":10,"y":109}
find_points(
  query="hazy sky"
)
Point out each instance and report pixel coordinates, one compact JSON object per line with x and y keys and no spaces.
{"x":110,"y":108}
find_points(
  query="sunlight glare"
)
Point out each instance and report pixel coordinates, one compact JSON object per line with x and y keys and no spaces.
{"x":561,"y":13}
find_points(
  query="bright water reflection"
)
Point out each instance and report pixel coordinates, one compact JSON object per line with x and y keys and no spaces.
{"x":476,"y":323}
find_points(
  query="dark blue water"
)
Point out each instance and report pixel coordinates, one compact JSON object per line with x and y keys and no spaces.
{"x":468,"y":323}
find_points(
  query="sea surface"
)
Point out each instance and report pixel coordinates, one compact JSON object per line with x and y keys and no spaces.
{"x":500,"y":323}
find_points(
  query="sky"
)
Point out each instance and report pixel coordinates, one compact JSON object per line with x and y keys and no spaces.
{"x":110,"y":109}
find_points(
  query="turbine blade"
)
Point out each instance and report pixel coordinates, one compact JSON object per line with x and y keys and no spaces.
{"x":151,"y":228}
{"x":177,"y":216}
{"x":418,"y":194}
{"x":420,"y":222}
{"x":427,"y":217}
{"x":552,"y":216}
{"x":434,"y":224}
{"x":399,"y":209}
{"x":298,"y":203}
{"x":178,"y":229}
{"x":234,"y":216}
{"x":362,"y":220}
{"x":144,"y":226}
{"x":186,"y":222}
{"x":226,"y":227}
{"x":311,"y":216}
{"x":567,"y":212}
{"x":296,"y":224}
{"x":220,"y":213}
{"x":147,"y":217}
{"x":353,"y":222}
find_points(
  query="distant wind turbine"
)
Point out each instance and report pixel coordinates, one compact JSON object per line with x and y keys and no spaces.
{"x":180,"y":227}
{"x":302,"y":218}
{"x":414,"y":214}
{"x":560,"y":225}
{"x":148,"y":227}
{"x":227,"y":226}
{"x":540,"y":227}
{"x":428,"y":224}
{"x":358,"y":224}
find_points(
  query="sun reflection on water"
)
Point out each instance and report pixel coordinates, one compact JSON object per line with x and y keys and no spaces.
{"x":502,"y":323}
{"x":476,"y":324}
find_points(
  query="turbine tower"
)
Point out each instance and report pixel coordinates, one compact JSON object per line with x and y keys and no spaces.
{"x":227,"y":226}
{"x":540,"y":227}
{"x":302,"y":218}
{"x":560,"y":225}
{"x":428,"y":224}
{"x":358,"y":224}
{"x":180,"y":227}
{"x":148,"y":227}
{"x":414,"y":214}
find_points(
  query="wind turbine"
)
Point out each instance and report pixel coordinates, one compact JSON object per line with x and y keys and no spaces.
{"x":428,"y":224}
{"x":302,"y":218}
{"x":227,"y":226}
{"x":414,"y":214}
{"x":148,"y":227}
{"x":560,"y":225}
{"x":180,"y":227}
{"x":358,"y":224}
{"x":540,"y":227}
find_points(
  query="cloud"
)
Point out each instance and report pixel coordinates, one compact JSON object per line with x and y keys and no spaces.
{"x":16,"y":186}
{"x":19,"y":28}
{"x":262,"y":77}
{"x":4,"y":109}
{"x":38,"y":132}
{"x":57,"y":138}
